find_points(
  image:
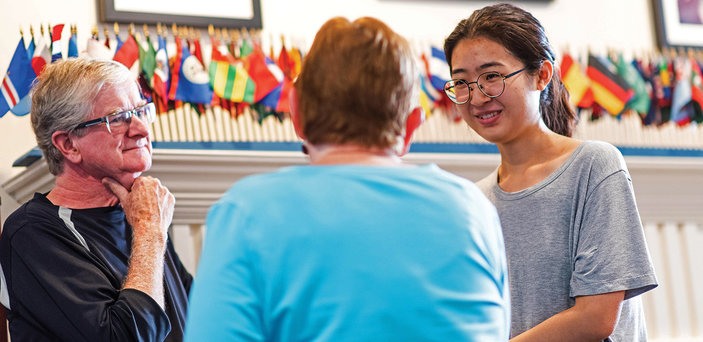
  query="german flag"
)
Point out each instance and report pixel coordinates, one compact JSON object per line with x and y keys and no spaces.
{"x":609,"y":89}
{"x":576,"y":82}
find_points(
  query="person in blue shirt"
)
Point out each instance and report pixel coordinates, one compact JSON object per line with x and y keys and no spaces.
{"x":358,"y":246}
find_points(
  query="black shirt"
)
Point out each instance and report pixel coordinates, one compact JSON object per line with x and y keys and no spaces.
{"x":64,"y":271}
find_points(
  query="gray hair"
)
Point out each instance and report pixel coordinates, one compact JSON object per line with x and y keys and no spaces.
{"x":64,"y":96}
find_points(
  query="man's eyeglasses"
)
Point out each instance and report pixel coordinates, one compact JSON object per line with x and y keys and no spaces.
{"x":119,"y":122}
{"x":491,"y":84}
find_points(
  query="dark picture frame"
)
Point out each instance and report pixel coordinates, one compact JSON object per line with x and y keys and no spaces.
{"x":678,"y":26}
{"x":109,"y":13}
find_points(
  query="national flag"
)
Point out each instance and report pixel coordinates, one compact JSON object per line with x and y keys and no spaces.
{"x":666,"y":75}
{"x":128,"y":52}
{"x":257,"y":65}
{"x":17,"y":81}
{"x":24,"y":107}
{"x":231,"y":82}
{"x":198,"y":51}
{"x":119,"y":43}
{"x":609,"y":89}
{"x":189,"y":80}
{"x":147,"y":60}
{"x":438,"y":69}
{"x":645,"y":69}
{"x":277,"y":99}
{"x":696,"y":91}
{"x":427,"y":86}
{"x":107,"y":38}
{"x":228,"y":78}
{"x":681,"y":113}
{"x":41,"y":57}
{"x":245,"y":49}
{"x":286,"y":63}
{"x":31,"y":48}
{"x":297,"y":56}
{"x":56,"y":42}
{"x":576,"y":82}
{"x":160,"y":81}
{"x":73,"y":43}
{"x":640,"y":100}
{"x":425,"y":101}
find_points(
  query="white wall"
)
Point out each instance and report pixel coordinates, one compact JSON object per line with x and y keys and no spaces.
{"x":626,"y":25}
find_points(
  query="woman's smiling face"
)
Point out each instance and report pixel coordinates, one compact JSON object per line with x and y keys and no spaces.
{"x":504,"y":118}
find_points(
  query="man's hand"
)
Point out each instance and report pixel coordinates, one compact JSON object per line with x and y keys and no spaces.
{"x":148,"y":206}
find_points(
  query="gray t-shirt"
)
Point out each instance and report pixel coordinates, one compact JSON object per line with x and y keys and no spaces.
{"x":575,"y":233}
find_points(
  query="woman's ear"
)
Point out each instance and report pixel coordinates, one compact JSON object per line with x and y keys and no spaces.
{"x":544,"y":76}
{"x":294,"y":116}
{"x":66,"y":145}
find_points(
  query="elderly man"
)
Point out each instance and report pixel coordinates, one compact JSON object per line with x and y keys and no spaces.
{"x":91,"y":260}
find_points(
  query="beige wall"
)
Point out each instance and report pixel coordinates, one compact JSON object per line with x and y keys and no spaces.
{"x":576,"y":24}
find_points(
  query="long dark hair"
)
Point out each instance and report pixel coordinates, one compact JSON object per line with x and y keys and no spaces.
{"x":523,"y":35}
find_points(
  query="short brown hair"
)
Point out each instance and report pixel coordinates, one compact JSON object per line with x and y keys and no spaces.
{"x":356,"y":85}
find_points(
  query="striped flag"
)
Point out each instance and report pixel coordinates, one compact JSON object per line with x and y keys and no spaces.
{"x":609,"y":89}
{"x":56,"y":42}
{"x":576,"y":82}
{"x":231,"y":82}
{"x":228,"y":78}
{"x":17,"y":81}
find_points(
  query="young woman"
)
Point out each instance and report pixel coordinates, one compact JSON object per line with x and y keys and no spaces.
{"x":577,"y":257}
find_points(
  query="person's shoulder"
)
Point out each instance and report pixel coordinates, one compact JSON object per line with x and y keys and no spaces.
{"x":601,"y":156}
{"x":466,"y":190}
{"x":488,"y":183}
{"x":33,"y":212}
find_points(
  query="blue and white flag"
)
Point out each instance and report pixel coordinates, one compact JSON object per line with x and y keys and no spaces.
{"x":193,"y":81}
{"x":439,"y":69}
{"x":17,"y":81}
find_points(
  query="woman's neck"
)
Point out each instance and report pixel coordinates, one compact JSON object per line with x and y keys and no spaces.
{"x":352,"y":154}
{"x":526,"y":162}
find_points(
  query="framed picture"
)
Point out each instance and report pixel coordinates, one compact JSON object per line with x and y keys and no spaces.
{"x":201,"y":13}
{"x":679,"y":23}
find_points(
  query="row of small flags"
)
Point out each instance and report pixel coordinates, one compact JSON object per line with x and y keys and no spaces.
{"x":660,"y":88}
{"x":240,"y":74}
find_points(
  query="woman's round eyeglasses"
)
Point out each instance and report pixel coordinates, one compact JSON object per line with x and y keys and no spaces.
{"x":491,"y":84}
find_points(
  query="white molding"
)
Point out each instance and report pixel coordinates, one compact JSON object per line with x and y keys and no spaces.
{"x":667,"y":188}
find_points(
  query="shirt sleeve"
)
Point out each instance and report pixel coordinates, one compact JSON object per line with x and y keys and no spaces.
{"x":58,"y":286}
{"x":224,"y":305}
{"x":611,"y":252}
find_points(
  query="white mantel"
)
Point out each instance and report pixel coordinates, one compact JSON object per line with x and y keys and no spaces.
{"x":667,"y":188}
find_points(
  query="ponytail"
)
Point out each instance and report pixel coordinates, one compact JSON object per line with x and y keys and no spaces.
{"x":556,"y":111}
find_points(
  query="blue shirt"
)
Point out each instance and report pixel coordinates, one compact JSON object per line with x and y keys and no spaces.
{"x":351,"y":253}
